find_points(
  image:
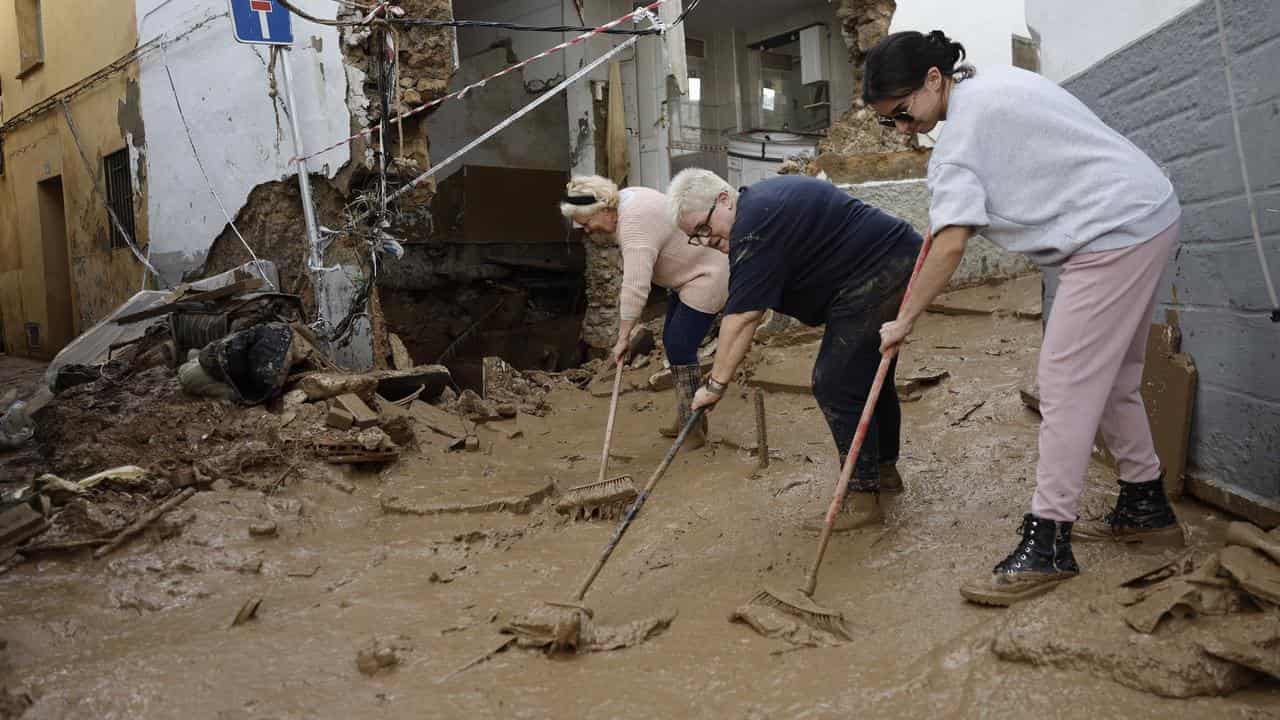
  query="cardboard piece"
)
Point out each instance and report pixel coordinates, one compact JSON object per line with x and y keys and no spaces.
{"x":1169,"y":381}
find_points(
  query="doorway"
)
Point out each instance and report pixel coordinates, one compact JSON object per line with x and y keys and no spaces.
{"x":57,"y":268}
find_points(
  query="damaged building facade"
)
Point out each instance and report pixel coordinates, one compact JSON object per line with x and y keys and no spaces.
{"x":71,"y":141}
{"x":167,"y":99}
{"x":488,"y":266}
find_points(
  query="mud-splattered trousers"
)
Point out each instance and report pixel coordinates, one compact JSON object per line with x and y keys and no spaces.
{"x":846,"y":367}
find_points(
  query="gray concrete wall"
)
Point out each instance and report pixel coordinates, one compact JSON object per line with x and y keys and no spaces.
{"x":909,"y":199}
{"x":1167,"y":92}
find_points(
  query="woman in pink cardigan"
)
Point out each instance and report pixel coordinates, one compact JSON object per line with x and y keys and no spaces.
{"x":655,"y":252}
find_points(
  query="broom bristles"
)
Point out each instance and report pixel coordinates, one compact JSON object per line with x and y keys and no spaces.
{"x":810,"y":613}
{"x":602,"y":500}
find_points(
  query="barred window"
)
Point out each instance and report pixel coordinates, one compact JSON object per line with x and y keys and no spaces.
{"x":119,"y":195}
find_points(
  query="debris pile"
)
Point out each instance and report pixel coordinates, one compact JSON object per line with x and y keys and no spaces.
{"x":1204,"y":624}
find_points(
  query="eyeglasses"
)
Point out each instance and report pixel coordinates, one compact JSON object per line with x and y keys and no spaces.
{"x":702,"y":230}
{"x":904,"y":115}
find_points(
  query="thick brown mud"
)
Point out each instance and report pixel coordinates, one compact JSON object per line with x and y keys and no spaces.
{"x":146,"y":632}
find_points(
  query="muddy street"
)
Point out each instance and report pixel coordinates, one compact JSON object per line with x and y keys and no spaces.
{"x":407,"y":565}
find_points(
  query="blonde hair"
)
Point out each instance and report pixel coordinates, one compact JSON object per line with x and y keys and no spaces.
{"x":695,"y":189}
{"x":604,"y":190}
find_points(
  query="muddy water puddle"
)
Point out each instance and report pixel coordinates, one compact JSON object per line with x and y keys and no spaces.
{"x":340,"y":572}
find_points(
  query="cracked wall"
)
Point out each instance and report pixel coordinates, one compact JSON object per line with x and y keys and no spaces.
{"x":863,"y":23}
{"x":236,"y":120}
{"x":58,"y":272}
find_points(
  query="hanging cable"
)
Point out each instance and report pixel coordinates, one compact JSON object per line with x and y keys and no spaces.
{"x":164,"y":56}
{"x":634,"y":15}
{"x":93,"y":175}
{"x":491,"y":24}
{"x":1244,"y":167}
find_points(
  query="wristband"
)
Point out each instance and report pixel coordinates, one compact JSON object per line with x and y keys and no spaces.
{"x":715,"y":388}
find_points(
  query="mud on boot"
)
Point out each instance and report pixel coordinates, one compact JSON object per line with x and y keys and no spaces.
{"x":860,"y":509}
{"x":890,"y":479}
{"x":1041,"y":561}
{"x":687,"y":380}
{"x":1142,"y":515}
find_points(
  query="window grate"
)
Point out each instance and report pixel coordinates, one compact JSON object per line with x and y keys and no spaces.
{"x":119,"y":195}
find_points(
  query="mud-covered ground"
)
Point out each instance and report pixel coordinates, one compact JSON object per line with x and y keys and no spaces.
{"x":146,"y":632}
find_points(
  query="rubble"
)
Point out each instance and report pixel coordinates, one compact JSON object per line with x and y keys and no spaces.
{"x":1207,"y":616}
{"x":382,"y":653}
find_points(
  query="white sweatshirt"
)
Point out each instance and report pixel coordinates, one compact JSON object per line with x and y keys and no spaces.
{"x":1032,"y":168}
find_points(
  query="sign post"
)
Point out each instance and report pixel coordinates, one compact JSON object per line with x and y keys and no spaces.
{"x":265,"y":22}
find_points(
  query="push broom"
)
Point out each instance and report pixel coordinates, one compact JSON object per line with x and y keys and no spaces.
{"x":799,"y":603}
{"x":563,"y":620}
{"x":602,"y":499}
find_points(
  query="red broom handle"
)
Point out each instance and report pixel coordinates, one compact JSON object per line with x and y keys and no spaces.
{"x":846,"y":472}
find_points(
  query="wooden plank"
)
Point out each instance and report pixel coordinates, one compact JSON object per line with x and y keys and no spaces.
{"x":18,"y":523}
{"x":362,"y":415}
{"x":193,"y":301}
{"x":400,"y":358}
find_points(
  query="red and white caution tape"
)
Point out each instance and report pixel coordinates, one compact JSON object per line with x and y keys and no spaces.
{"x":633,"y":15}
{"x":516,"y":116}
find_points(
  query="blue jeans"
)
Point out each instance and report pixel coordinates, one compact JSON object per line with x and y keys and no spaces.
{"x":683,"y":332}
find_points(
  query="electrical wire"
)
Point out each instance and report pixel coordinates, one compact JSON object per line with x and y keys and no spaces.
{"x":115,"y":219}
{"x":491,"y":24}
{"x":164,"y":55}
{"x":95,"y":78}
{"x":1244,"y":167}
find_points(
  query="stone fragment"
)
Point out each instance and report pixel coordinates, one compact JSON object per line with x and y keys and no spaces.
{"x":339,"y":419}
{"x":263,"y":529}
{"x":382,"y":653}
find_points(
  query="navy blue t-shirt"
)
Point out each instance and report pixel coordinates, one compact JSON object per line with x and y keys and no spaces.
{"x":798,"y":241}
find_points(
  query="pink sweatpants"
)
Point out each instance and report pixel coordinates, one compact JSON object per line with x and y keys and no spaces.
{"x":1090,"y":371}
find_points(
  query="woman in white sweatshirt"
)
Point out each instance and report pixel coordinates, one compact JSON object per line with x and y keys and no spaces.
{"x":1034,"y":170}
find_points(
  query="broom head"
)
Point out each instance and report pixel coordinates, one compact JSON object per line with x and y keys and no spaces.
{"x":605,"y":500}
{"x":796,"y":604}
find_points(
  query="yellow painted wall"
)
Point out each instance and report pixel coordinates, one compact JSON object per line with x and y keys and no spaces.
{"x":79,"y":39}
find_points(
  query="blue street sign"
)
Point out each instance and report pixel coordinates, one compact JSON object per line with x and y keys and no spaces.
{"x":261,"y":22}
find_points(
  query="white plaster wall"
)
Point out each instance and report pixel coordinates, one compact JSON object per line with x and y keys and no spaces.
{"x":1076,"y":35}
{"x":986,"y":28}
{"x":535,"y":141}
{"x":841,"y":80}
{"x":242,"y":136}
{"x":524,"y":44}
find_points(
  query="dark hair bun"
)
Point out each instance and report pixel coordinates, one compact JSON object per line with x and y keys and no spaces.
{"x":955,"y":50}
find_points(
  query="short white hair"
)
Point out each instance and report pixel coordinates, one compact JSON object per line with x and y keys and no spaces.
{"x":695,"y":189}
{"x":604,"y":190}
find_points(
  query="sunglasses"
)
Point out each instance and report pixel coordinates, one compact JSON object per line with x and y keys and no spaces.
{"x":904,"y":115}
{"x":702,"y":230}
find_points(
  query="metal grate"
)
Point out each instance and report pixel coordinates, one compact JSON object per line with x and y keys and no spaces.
{"x":119,"y":195}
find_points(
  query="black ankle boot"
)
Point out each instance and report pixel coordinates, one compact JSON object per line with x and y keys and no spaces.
{"x":1042,"y":560}
{"x":1142,"y":514}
